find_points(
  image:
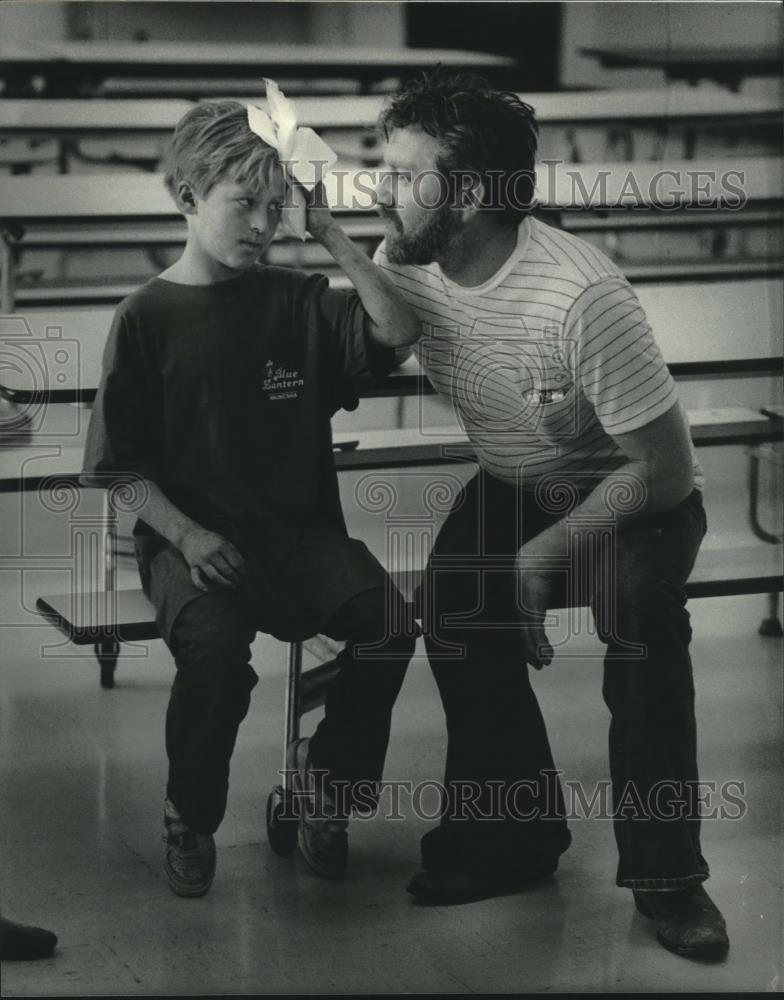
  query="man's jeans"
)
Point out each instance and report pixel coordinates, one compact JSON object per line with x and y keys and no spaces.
{"x":498,"y":753}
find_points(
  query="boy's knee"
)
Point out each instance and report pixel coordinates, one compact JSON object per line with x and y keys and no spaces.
{"x":209,"y":632}
{"x":396,"y":639}
{"x":380,"y":617}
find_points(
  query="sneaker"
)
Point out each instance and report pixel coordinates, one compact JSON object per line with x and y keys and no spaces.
{"x":322,"y":835}
{"x":188,"y":857}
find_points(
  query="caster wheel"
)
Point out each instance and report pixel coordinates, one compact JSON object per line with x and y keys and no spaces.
{"x":281,"y":822}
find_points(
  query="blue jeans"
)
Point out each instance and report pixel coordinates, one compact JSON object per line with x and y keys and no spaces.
{"x":335,"y":587}
{"x":498,"y":753}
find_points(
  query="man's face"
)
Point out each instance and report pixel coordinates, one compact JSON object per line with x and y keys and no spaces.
{"x":412,"y":199}
{"x":234,"y":223}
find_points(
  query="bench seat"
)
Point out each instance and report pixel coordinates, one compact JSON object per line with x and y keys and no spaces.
{"x":93,"y":617}
{"x":118,"y":116}
{"x":27,"y":467}
{"x":753,"y":569}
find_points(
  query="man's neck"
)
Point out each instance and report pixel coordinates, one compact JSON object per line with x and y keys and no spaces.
{"x":478,"y":253}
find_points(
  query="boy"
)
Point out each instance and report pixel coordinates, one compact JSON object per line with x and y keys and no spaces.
{"x":220,"y":378}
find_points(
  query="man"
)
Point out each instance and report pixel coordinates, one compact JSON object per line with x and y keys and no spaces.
{"x":588,"y":491}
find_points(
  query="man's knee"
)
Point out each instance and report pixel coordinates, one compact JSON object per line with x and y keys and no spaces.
{"x":638,"y":607}
{"x":470,"y":597}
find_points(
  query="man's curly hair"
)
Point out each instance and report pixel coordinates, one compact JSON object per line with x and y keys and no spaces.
{"x":487,"y":132}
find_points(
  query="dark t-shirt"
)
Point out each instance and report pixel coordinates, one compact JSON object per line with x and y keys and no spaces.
{"x":222,"y":395}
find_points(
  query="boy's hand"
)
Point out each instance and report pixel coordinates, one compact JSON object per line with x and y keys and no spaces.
{"x":319,"y":220}
{"x":212,"y":557}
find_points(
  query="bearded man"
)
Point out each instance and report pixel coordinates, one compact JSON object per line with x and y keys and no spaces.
{"x":588,"y":492}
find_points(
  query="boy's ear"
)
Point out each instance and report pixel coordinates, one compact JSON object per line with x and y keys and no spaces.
{"x":186,"y":198}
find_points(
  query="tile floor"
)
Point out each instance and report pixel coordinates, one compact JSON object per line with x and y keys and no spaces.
{"x":82,"y":774}
{"x":81,"y":783}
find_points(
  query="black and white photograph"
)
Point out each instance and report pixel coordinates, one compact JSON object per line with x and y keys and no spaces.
{"x":391,"y":481}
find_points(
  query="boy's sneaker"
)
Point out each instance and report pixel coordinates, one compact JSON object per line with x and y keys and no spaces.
{"x":323,"y":837}
{"x":188,"y":857}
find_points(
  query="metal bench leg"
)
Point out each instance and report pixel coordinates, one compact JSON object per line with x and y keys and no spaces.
{"x":281,"y":808}
{"x":108,"y":650}
{"x":107,"y":653}
{"x":771,"y":626}
{"x":755,"y":457}
{"x":7,"y":272}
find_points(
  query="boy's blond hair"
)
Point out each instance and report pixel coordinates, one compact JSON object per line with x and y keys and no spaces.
{"x":213,"y":142}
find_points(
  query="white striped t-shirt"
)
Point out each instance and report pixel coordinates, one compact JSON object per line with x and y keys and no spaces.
{"x":543,"y":361}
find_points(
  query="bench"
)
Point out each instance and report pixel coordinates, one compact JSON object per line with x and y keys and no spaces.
{"x":79,"y":118}
{"x":83,"y":199}
{"x":569,"y":118}
{"x":728,"y":65}
{"x":108,"y":617}
{"x":727,"y":425}
{"x":30,"y":467}
{"x":105,"y":621}
{"x":689,"y":318}
{"x":87,"y":207}
{"x":750,"y":571}
{"x":76,"y":68}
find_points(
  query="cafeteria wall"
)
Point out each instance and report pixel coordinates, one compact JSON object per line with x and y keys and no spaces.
{"x":21,"y":20}
{"x":225,"y":20}
{"x":529,"y":32}
{"x":546,"y":36}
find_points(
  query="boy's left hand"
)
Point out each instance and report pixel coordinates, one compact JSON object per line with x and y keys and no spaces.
{"x":319,"y":221}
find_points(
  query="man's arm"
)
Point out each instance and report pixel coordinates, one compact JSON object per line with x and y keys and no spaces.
{"x":659,"y":471}
{"x":392,"y":321}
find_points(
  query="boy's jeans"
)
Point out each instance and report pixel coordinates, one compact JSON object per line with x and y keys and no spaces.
{"x":496,"y":733}
{"x":210,"y":696}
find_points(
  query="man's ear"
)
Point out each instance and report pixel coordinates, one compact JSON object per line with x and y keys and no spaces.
{"x":471,"y":195}
{"x":186,"y":198}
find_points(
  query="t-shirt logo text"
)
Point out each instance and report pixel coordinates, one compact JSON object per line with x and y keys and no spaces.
{"x":279,"y":381}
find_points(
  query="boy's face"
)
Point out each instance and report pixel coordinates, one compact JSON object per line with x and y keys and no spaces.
{"x":233,"y":224}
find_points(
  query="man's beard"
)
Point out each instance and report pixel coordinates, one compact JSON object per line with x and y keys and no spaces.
{"x":425,"y":244}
